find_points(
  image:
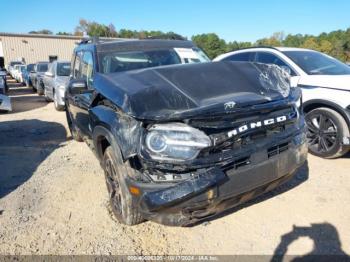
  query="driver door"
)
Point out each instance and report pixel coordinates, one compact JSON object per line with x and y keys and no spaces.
{"x":83,"y":69}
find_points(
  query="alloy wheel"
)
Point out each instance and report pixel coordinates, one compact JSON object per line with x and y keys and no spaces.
{"x":322,"y":133}
{"x":113,"y":186}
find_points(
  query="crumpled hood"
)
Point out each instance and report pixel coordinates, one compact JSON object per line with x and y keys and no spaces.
{"x":169,"y":91}
{"x":329,"y":81}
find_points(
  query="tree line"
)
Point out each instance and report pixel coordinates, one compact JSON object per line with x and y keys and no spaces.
{"x":335,"y":43}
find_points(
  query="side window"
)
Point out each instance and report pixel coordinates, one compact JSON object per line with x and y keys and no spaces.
{"x":241,"y":57}
{"x":77,"y":66}
{"x":268,"y":58}
{"x":87,"y":68}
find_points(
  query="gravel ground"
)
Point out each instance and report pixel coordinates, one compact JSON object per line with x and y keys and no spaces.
{"x":53,"y":200}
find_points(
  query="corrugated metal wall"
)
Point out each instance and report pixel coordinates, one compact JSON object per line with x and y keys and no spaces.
{"x":36,"y":48}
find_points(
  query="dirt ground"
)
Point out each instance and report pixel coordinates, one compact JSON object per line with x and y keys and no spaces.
{"x":53,"y":200}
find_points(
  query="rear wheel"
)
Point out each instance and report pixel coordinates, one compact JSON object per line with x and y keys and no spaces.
{"x":122,"y":203}
{"x":76,"y":134}
{"x":326,"y":129}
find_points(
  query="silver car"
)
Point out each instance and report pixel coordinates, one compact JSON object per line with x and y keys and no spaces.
{"x":5,"y":101}
{"x":55,"y":81}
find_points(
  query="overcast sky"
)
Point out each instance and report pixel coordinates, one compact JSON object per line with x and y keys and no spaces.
{"x":232,"y":20}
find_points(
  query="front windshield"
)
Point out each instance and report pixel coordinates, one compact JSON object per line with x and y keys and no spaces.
{"x":42,"y":67}
{"x":15,"y":63}
{"x":112,"y":62}
{"x":30,"y":67}
{"x":315,"y":63}
{"x":63,"y":69}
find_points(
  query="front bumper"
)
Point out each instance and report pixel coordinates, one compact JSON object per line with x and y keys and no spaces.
{"x":215,"y":189}
{"x":60,"y":96}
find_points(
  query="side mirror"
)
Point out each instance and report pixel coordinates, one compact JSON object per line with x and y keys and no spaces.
{"x":286,"y":69}
{"x":49,"y":74}
{"x":77,"y":87}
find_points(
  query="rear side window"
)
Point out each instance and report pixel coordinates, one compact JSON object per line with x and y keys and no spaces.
{"x":268,"y":58}
{"x":241,"y":57}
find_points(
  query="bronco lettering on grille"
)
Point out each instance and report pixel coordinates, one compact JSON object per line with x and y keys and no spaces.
{"x":257,"y":124}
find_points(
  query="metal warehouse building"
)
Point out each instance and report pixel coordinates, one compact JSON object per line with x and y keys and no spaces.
{"x":35,"y":47}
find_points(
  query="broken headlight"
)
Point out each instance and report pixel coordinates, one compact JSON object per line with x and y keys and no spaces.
{"x":175,"y":142}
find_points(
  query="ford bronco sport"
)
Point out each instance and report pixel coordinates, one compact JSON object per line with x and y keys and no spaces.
{"x":180,"y":143}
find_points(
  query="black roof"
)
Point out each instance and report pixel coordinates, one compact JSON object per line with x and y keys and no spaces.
{"x":134,"y":44}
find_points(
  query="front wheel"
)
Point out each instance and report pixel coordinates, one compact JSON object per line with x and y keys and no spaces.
{"x":326,"y":129}
{"x":40,"y":88}
{"x":47,"y":98}
{"x":58,"y":107}
{"x":72,"y":128}
{"x":122,"y":203}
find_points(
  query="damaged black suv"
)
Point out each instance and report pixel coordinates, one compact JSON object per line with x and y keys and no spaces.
{"x":180,"y":141}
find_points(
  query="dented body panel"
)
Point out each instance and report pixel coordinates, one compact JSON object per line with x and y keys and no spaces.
{"x":253,"y":129}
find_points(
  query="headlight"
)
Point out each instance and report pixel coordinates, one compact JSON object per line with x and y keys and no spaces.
{"x":175,"y":141}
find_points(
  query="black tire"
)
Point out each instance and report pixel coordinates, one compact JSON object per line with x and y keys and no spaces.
{"x":326,"y":129}
{"x":40,"y":89}
{"x":48,"y":99}
{"x":76,"y":134}
{"x":122,"y":203}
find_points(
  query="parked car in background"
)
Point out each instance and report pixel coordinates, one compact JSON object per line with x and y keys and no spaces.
{"x":180,"y":143}
{"x":55,"y":82}
{"x":10,"y":67}
{"x":26,"y":75}
{"x":3,"y":75}
{"x":37,"y":76}
{"x":5,"y":101}
{"x":18,"y":74}
{"x":325,"y":84}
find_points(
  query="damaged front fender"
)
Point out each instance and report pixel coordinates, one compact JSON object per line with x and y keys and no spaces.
{"x":117,"y":128}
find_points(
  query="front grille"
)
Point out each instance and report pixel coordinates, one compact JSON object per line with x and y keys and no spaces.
{"x":237,"y":164}
{"x":218,"y":128}
{"x":215,"y":124}
{"x":276,"y":150}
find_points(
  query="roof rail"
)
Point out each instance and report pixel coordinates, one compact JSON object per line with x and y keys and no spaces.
{"x":167,"y":37}
{"x":257,"y":46}
{"x":86,"y":40}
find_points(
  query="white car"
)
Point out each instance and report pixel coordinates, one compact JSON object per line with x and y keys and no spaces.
{"x":10,"y":67}
{"x":18,"y":73}
{"x":325,"y":83}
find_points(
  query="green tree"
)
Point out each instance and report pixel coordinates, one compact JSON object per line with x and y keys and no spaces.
{"x":210,"y":43}
{"x":42,"y":32}
{"x":325,"y":46}
{"x":63,"y":33}
{"x":95,"y":29}
{"x":310,"y":43}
